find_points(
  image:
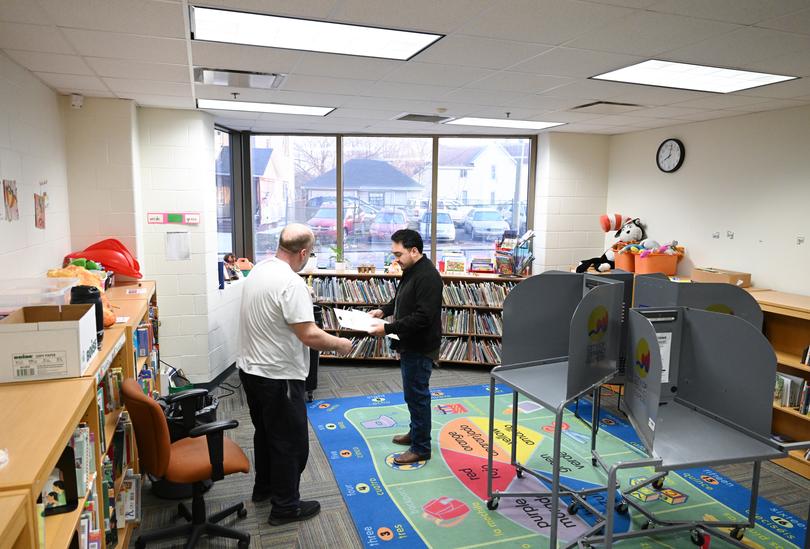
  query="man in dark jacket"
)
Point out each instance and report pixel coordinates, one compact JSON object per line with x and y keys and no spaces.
{"x":417,"y":310}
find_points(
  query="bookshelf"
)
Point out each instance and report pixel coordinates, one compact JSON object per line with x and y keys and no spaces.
{"x":787,"y":327}
{"x":471,"y":313}
{"x":16,"y":530}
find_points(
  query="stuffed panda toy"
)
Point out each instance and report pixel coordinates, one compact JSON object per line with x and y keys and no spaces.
{"x":631,"y":230}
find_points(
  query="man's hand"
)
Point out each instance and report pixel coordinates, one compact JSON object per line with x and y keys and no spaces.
{"x":344,"y":346}
{"x":378,"y":330}
{"x":376,"y":313}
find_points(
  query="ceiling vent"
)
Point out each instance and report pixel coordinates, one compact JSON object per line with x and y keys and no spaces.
{"x":422,"y":118}
{"x":606,"y":107}
{"x":239,"y":79}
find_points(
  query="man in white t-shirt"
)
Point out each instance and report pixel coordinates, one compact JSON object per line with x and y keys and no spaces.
{"x":277,"y":328}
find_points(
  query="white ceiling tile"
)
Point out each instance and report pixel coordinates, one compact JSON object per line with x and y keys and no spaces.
{"x":50,"y":62}
{"x":710,"y":115}
{"x":648,"y":34}
{"x":544,"y":21}
{"x":71,"y":81}
{"x":23,"y":11}
{"x":341,"y":86}
{"x":418,"y":15}
{"x":86,"y":93}
{"x":21,"y":36}
{"x":718,"y":101}
{"x":744,"y":12}
{"x":162,"y":101}
{"x":783,"y":90}
{"x":215,"y":55}
{"x":667,"y":112}
{"x":793,"y":64}
{"x":470,"y":51}
{"x":795,"y":22}
{"x":500,"y":112}
{"x":656,"y":122}
{"x":406,"y":91}
{"x":521,"y":81}
{"x":344,"y":66}
{"x":546,"y":102}
{"x":148,"y":87}
{"x":565,"y":116}
{"x":619,"y":120}
{"x":641,"y":4}
{"x":624,"y":93}
{"x":318,"y":9}
{"x":128,"y":46}
{"x":771,"y":105}
{"x":742,"y":47}
{"x":234,"y":115}
{"x":432,"y":74}
{"x":272,"y":96}
{"x":146,"y":17}
{"x":577,"y":63}
{"x":584,"y":88}
{"x":348,"y":112}
{"x":124,"y":68}
{"x":486,"y":97}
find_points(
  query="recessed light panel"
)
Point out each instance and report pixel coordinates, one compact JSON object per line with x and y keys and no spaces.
{"x":505,"y":123}
{"x":271,"y":31}
{"x":275,"y":108}
{"x":691,"y":77}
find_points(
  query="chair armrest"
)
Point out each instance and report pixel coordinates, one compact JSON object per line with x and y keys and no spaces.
{"x":182,"y":395}
{"x":214,"y":434}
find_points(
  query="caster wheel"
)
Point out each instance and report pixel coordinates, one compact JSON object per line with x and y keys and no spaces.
{"x":492,"y":504}
{"x":519,"y":473}
{"x":241,"y":513}
{"x":594,"y":462}
{"x":243,"y":545}
{"x":622,"y":508}
{"x":573,"y":507}
{"x":697,"y":538}
{"x":646,"y":526}
{"x":182,"y":512}
{"x":658,"y":483}
{"x":737,"y":533}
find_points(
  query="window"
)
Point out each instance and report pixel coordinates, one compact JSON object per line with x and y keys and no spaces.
{"x":480,"y":205}
{"x":224,"y":181}
{"x":390,"y":179}
{"x":463,"y":174}
{"x":293,"y":180}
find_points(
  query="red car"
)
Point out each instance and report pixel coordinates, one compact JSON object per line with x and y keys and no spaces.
{"x":324,"y":222}
{"x":386,"y":223}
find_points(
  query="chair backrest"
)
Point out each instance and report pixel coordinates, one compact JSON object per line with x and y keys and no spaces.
{"x":151,"y":429}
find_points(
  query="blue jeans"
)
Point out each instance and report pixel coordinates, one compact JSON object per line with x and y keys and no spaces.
{"x":416,"y":370}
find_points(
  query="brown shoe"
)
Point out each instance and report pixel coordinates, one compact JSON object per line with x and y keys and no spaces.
{"x":409,"y":457}
{"x":405,"y":439}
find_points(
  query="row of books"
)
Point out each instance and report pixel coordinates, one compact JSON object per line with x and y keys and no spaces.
{"x":108,"y":502}
{"x":145,"y":339}
{"x":88,"y":532}
{"x":111,"y":386}
{"x":373,"y":290}
{"x":461,"y":349}
{"x":460,"y":321}
{"x":792,"y":392}
{"x":482,"y":294}
{"x":128,"y":499}
{"x":367,"y":347}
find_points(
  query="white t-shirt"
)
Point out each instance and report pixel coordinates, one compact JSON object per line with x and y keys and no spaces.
{"x":272,"y":298}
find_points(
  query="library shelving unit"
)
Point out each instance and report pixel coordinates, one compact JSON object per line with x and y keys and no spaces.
{"x":787,"y":327}
{"x":471,"y":313}
{"x":133,"y":301}
{"x":39,"y":420}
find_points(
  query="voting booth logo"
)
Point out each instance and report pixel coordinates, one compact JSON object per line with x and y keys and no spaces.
{"x":598,"y":324}
{"x":642,"y":358}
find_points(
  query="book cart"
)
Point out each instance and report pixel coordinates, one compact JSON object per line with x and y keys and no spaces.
{"x":471,"y":313}
{"x":591,"y":359}
{"x":702,"y":403}
{"x":40,"y":418}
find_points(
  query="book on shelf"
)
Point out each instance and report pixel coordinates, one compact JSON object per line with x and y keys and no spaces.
{"x":102,"y":442}
{"x":128,"y":499}
{"x":806,"y":356}
{"x":789,"y":390}
{"x":84,"y":456}
{"x":108,"y":503}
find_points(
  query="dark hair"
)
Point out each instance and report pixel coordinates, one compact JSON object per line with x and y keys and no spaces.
{"x":59,"y":484}
{"x":226,"y":260}
{"x":408,"y":238}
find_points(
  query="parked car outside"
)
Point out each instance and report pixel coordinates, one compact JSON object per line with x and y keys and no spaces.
{"x":356,"y":220}
{"x":386,"y":223}
{"x":313,"y":204}
{"x":485,"y":223}
{"x":445,"y":229}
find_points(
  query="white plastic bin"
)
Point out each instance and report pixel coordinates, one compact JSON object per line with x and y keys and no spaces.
{"x":22,"y":292}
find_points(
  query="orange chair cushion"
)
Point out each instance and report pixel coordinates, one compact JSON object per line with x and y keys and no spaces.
{"x":189,"y":461}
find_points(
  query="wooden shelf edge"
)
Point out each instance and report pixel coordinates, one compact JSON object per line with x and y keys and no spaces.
{"x":791,"y":411}
{"x":795,"y":462}
{"x":789,"y":360}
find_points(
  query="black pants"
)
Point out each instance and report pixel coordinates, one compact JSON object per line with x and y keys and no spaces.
{"x":281,"y":438}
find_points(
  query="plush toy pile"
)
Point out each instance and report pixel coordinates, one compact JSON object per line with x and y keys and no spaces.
{"x":87,"y":278}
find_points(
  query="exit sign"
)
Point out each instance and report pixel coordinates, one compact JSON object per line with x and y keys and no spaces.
{"x":183,"y":218}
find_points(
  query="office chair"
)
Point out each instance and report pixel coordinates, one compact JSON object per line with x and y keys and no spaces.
{"x":190,"y":460}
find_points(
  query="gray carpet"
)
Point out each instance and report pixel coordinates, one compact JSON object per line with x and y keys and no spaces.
{"x":334,"y":526}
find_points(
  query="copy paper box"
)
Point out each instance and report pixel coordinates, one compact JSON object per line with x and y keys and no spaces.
{"x":710,"y":274}
{"x":47,"y":342}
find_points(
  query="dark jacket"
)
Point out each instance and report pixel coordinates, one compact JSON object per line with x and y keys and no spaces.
{"x":417,"y":309}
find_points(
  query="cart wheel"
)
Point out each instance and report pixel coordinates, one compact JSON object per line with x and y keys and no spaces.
{"x":519,"y":472}
{"x":737,"y":533}
{"x":573,"y":507}
{"x":310,"y":396}
{"x":697,"y":538}
{"x":241,"y":513}
{"x":658,"y":483}
{"x":492,"y":504}
{"x":622,"y":508}
{"x":647,"y":525}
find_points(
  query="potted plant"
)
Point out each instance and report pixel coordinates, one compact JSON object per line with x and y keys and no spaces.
{"x":340,"y":262}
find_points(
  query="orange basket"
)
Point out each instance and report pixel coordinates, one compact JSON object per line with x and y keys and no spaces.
{"x":656,"y":263}
{"x":625,"y":262}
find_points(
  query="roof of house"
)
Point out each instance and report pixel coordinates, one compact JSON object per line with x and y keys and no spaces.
{"x":223,"y":163}
{"x":459,"y":156}
{"x":362,"y":173}
{"x":259,"y":158}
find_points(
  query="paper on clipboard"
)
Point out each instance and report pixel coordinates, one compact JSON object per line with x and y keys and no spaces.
{"x":352,"y":319}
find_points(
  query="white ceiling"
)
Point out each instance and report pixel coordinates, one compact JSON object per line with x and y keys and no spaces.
{"x":531,"y":58}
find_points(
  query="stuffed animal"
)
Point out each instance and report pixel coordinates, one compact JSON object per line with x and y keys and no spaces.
{"x":630,"y":233}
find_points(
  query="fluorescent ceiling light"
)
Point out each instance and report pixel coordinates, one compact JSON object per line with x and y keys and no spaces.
{"x":275,"y":108}
{"x":504,"y":123}
{"x":691,"y":77}
{"x":255,"y":29}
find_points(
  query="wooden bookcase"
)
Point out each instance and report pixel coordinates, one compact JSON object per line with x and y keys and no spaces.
{"x":471,"y":337}
{"x":787,"y":327}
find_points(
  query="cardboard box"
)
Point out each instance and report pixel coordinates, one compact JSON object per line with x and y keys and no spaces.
{"x":47,"y":342}
{"x":710,"y":274}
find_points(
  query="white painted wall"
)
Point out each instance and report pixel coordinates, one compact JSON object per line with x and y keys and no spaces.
{"x":571,"y":194}
{"x":32,"y":149}
{"x":177,"y":174}
{"x":102,"y":164}
{"x":747,"y":174}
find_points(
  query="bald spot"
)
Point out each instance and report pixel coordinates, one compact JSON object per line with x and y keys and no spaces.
{"x":295,"y":237}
